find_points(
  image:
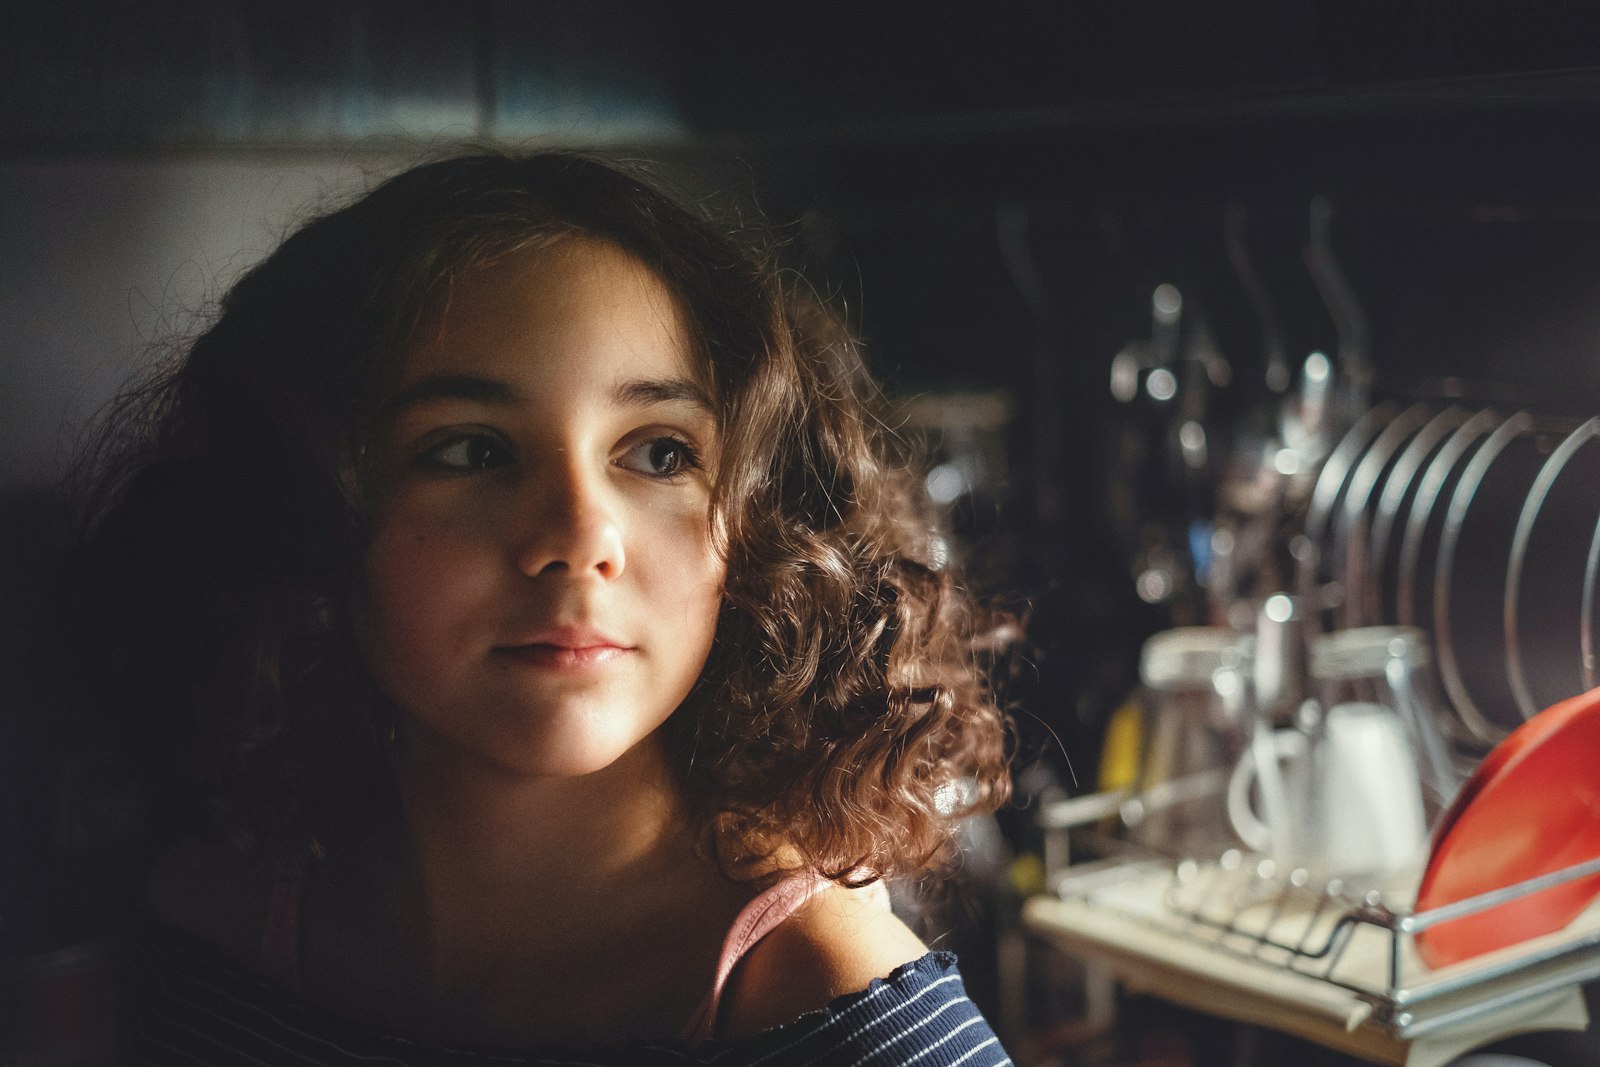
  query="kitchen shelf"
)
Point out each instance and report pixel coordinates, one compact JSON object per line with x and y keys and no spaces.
{"x":1237,"y":935}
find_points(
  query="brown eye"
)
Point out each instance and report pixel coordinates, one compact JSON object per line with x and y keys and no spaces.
{"x":661,"y":457}
{"x":666,"y":456}
{"x":469,"y":452}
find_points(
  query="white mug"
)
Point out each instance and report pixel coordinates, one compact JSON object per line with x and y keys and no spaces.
{"x":1345,"y":802}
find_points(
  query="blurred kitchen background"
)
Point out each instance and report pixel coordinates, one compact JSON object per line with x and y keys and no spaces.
{"x":1128,"y":265}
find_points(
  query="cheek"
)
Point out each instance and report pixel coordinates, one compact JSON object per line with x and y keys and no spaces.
{"x":691,"y":577}
{"x":417,"y":585}
{"x":681,"y":580}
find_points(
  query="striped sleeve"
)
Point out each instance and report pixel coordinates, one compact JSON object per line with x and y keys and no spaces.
{"x":919,"y":1016}
{"x":183,"y":1005}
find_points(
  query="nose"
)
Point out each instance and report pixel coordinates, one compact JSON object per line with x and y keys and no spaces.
{"x":571,"y":522}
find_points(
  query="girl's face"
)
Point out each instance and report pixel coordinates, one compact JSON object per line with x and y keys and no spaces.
{"x":541,"y":588}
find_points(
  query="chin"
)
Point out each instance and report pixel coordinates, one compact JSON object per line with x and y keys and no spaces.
{"x":544,"y":738}
{"x":570,"y":764}
{"x":574,"y":754}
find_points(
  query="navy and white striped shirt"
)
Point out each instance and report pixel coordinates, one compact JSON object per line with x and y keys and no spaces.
{"x":184,"y":1005}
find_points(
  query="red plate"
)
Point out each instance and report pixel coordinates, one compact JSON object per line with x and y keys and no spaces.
{"x":1532,"y":807}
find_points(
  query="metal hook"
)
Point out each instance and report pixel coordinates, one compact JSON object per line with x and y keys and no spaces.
{"x":1349,"y":321}
{"x":1235,"y":228}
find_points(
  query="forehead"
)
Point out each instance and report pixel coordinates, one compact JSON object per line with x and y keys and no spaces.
{"x":577,"y":304}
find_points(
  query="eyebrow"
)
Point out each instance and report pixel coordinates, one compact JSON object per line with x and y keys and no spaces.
{"x":470,"y":387}
{"x":640,"y":392}
{"x":636,"y":392}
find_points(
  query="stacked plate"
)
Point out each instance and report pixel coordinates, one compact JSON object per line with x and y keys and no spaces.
{"x":1478,"y":527}
{"x":1482,"y":528}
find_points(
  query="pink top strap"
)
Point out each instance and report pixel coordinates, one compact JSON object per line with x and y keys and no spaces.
{"x":758,"y":919}
{"x":280,"y":938}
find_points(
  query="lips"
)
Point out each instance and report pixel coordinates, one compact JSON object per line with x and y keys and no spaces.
{"x":565,"y":648}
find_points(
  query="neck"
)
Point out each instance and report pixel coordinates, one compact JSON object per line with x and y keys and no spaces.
{"x":484,"y":830}
{"x":495,"y":891}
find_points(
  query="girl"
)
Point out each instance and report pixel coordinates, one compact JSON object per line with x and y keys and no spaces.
{"x":514,"y":580}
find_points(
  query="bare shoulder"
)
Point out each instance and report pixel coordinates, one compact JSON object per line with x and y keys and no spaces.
{"x":836,"y":944}
{"x":213,"y":892}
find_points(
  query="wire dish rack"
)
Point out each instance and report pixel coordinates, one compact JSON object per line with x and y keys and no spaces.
{"x":1240,"y":935}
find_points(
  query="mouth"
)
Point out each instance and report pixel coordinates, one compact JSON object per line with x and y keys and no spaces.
{"x":565,"y":648}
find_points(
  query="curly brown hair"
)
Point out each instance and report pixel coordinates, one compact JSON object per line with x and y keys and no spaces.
{"x":844,"y":713}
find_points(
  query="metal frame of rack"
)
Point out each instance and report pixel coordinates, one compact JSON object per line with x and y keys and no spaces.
{"x":1239,"y":908}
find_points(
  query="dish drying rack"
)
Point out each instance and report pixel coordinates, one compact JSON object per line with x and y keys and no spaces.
{"x":1239,"y":935}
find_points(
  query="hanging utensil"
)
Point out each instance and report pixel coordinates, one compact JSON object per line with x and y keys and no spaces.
{"x":1274,"y":350}
{"x":1349,"y":321}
